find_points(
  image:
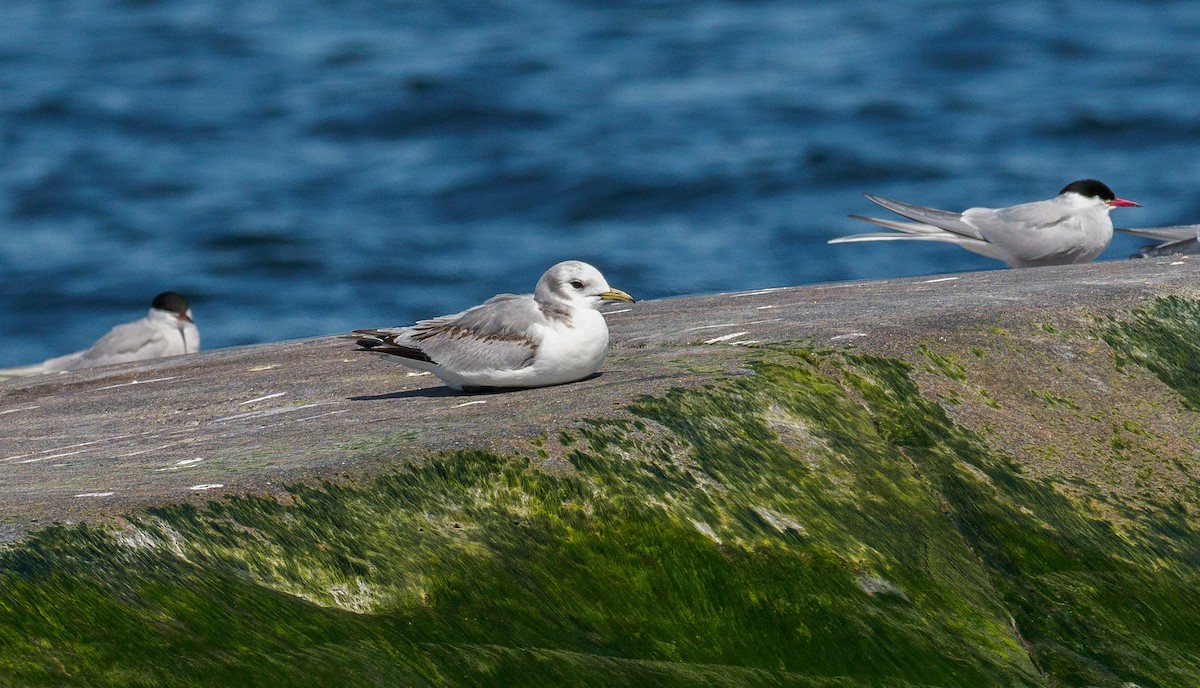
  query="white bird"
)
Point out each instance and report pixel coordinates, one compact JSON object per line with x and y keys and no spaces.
{"x":1072,"y":227}
{"x":552,"y":336}
{"x":167,"y":330}
{"x":1174,"y":239}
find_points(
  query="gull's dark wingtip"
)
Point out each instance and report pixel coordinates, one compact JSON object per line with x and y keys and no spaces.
{"x":385,"y":343}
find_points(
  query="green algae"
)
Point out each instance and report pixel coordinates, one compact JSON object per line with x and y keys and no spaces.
{"x":1165,"y":339}
{"x":946,"y":365}
{"x":987,"y":398}
{"x":1055,"y":401}
{"x":816,"y":523}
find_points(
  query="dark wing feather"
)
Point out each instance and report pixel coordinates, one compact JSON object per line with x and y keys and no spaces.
{"x":384,"y":342}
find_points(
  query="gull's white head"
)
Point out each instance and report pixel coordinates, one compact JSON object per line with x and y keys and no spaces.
{"x":576,"y":284}
{"x":1093,"y":193}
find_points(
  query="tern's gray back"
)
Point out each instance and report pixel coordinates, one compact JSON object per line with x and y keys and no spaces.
{"x":1035,"y":216}
{"x":134,"y":341}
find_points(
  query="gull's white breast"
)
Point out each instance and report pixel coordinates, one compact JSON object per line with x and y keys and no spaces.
{"x":570,"y":351}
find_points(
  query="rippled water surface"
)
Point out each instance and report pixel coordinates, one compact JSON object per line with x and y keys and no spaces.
{"x":302,"y":167}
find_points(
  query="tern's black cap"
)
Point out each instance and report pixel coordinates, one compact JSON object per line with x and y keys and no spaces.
{"x":170,"y":301}
{"x":1090,"y":187}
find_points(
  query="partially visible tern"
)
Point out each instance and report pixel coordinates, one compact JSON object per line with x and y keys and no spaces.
{"x":167,"y":330}
{"x":1173,"y":240}
{"x":1072,"y":227}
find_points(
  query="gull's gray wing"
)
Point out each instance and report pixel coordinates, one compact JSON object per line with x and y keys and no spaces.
{"x":503,"y":297}
{"x":502,"y":333}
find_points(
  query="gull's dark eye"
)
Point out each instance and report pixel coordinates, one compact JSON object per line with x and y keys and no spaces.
{"x":577,"y":284}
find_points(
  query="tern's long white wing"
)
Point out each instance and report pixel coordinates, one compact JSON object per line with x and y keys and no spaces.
{"x":24,"y":371}
{"x":918,"y":231}
{"x":500,"y":334}
{"x":942,"y":219}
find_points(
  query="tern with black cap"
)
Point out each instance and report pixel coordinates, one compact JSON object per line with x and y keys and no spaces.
{"x":167,"y":330}
{"x":1072,"y":227}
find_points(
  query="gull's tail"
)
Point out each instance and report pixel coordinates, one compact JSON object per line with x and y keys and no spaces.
{"x":385,"y":342}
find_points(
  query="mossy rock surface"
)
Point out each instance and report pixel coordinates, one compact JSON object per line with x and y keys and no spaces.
{"x":1004,"y":495}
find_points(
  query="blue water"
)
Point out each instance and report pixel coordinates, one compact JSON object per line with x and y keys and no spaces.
{"x":304,"y":167}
